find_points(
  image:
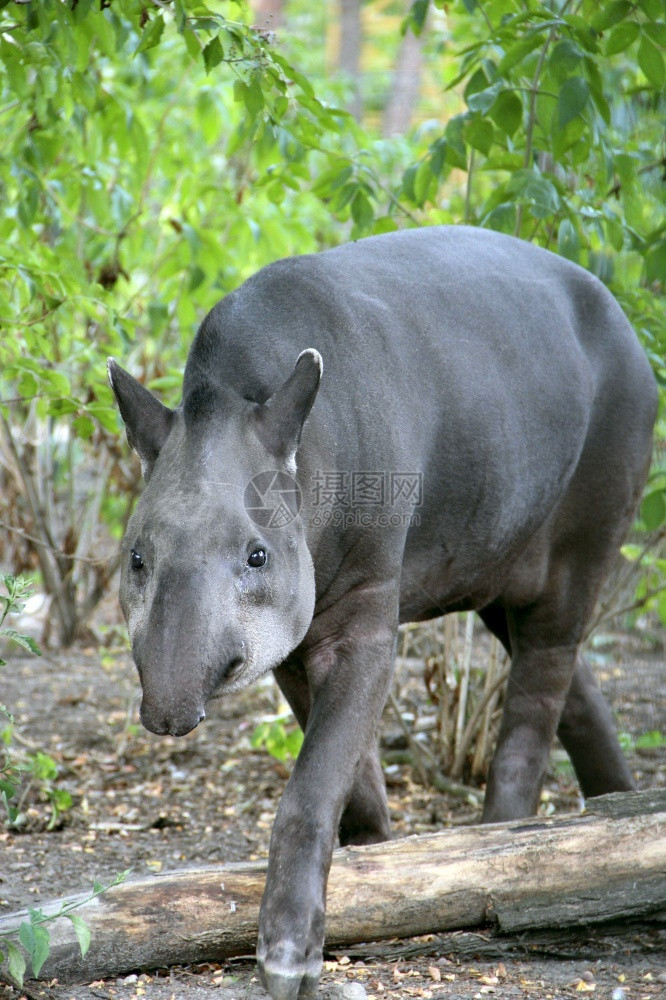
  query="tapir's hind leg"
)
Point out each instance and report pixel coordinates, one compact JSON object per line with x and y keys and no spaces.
{"x":588,"y":733}
{"x":365,"y":819}
{"x":586,"y":728}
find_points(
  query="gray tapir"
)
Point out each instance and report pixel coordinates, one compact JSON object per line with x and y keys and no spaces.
{"x":480,"y":441}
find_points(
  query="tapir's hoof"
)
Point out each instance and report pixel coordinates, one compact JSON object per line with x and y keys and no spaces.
{"x":284,"y":984}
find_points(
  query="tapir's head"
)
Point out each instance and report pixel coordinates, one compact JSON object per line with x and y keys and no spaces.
{"x":214,"y":595}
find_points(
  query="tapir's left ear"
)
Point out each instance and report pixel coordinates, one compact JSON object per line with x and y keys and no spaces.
{"x":147,"y":421}
{"x":280,"y":419}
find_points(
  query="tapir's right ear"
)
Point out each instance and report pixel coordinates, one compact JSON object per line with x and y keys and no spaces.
{"x":147,"y":421}
{"x":280,"y":420}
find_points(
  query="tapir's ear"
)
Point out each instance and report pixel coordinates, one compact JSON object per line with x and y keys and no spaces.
{"x":147,"y":421}
{"x":281,"y":418}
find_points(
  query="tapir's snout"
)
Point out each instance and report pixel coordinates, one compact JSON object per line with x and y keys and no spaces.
{"x":177,"y":722}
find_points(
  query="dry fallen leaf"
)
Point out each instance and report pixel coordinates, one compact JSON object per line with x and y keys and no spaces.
{"x":434,"y":973}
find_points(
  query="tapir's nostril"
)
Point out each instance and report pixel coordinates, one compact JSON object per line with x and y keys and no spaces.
{"x":202,"y":717}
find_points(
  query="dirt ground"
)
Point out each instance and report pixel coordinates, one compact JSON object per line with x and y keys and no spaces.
{"x":153,"y":803}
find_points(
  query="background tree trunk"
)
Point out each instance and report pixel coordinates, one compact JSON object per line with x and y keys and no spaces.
{"x":268,"y":13}
{"x":406,"y":87}
{"x":349,"y":57}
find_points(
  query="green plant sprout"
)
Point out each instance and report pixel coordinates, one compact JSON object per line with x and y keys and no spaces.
{"x":33,"y":936}
{"x":280,"y":737}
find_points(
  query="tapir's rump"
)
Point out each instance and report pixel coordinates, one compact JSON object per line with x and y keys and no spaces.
{"x":479,"y":440}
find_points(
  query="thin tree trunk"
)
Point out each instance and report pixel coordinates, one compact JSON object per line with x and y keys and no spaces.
{"x":406,"y":85}
{"x":268,"y":13}
{"x":349,"y":58}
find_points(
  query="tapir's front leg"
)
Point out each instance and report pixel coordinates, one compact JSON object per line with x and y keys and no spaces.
{"x":349,"y":674}
{"x":365,"y":819}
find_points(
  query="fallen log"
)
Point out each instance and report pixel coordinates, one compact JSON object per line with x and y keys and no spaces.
{"x":535,"y":873}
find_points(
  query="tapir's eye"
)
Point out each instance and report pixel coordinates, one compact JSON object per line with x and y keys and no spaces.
{"x":257,"y":558}
{"x":136,"y":561}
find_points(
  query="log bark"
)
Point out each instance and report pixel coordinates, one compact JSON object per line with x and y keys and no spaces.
{"x":536,"y":873}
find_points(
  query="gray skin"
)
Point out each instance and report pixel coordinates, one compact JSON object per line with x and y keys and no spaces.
{"x":511,"y":381}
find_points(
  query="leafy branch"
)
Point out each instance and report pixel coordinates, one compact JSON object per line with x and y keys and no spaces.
{"x":32,"y":934}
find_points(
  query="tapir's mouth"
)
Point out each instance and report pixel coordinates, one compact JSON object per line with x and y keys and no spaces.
{"x":227,"y":675}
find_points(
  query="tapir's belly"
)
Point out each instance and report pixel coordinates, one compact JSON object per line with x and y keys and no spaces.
{"x":456,"y":582}
{"x":477,"y":521}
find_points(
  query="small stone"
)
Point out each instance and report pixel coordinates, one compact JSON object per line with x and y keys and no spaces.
{"x":349,"y":991}
{"x":587,"y":976}
{"x":619,"y":994}
{"x":130,"y":980}
{"x":661,"y":978}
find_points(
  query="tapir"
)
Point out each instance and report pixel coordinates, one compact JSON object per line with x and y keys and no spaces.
{"x":479,"y":440}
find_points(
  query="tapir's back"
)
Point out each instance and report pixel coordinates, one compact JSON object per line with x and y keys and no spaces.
{"x":441,"y":311}
{"x":472,"y":355}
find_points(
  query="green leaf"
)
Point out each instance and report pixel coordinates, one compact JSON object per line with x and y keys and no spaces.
{"x":385,"y":224}
{"x":583,"y":31}
{"x":653,"y":8}
{"x":568,"y":244}
{"x":7,"y":789}
{"x":651,"y":61}
{"x":151,"y":34}
{"x":572,"y":99}
{"x":531,"y":188}
{"x":15,"y":963}
{"x":417,"y":15}
{"x":653,"y":510}
{"x":611,"y":13}
{"x":84,"y":427}
{"x":82,"y":932}
{"x":655,"y":263}
{"x":477,"y":82}
{"x":213,"y":54}
{"x":331,"y":180}
{"x":595,"y":80}
{"x":507,"y":111}
{"x":621,"y":37}
{"x":657,"y":32}
{"x":564,"y":59}
{"x":35,"y":940}
{"x":479,"y":134}
{"x":652,"y":740}
{"x":520,"y":49}
{"x":24,"y":641}
{"x":41,"y":951}
{"x":482,"y":100}
{"x":456,"y":151}
{"x":250,"y":95}
{"x":361,"y":210}
{"x":191,"y":42}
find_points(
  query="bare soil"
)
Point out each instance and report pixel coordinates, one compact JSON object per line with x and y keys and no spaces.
{"x":152,"y":803}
